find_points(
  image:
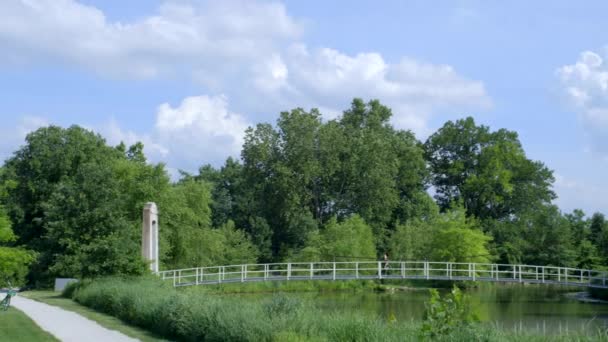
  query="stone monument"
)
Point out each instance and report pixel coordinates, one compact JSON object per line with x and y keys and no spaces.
{"x":149,"y":235}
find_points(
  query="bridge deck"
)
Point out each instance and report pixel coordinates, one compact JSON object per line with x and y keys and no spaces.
{"x":387,"y":270}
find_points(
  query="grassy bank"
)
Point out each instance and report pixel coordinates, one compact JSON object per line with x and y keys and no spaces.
{"x":107,"y":321}
{"x":15,"y":326}
{"x":203,"y":316}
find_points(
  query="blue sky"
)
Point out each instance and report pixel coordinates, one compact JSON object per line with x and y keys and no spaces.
{"x":187,"y":77}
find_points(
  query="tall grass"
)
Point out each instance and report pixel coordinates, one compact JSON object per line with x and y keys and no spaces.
{"x":202,"y":316}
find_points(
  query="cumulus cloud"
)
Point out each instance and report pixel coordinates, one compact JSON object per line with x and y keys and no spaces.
{"x":585,"y":85}
{"x":200,"y":128}
{"x":414,"y":89}
{"x":179,"y":36}
{"x":251,"y":51}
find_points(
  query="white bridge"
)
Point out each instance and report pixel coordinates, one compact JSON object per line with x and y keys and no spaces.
{"x":386,"y":270}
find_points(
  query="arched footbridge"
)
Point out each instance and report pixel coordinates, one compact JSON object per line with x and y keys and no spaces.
{"x":387,"y":270}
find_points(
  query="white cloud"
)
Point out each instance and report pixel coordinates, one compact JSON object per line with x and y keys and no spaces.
{"x":585,"y":85}
{"x":328,"y":78}
{"x":201,"y":129}
{"x":249,"y":50}
{"x":180,"y":36}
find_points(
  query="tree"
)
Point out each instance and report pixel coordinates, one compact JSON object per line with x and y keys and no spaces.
{"x":305,"y":172}
{"x":596,"y":227}
{"x":548,"y":238}
{"x":579,"y":226}
{"x":488,"y":171}
{"x":458,"y":239}
{"x":77,"y":202}
{"x":346,"y":240}
{"x":412,"y":240}
{"x":14,"y":261}
{"x":50,"y":155}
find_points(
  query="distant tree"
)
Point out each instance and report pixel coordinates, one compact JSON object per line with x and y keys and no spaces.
{"x":305,"y":172}
{"x":548,"y":237}
{"x":459,"y":239}
{"x":346,"y":240}
{"x":579,"y":226}
{"x":488,"y":171}
{"x":596,"y":227}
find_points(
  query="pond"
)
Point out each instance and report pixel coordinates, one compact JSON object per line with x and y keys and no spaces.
{"x":548,"y":310}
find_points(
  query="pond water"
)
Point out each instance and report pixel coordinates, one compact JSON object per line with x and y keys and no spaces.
{"x":532,"y":307}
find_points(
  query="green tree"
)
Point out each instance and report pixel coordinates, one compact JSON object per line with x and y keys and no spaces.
{"x":14,"y":261}
{"x":459,"y":239}
{"x":488,"y":171}
{"x":346,"y":240}
{"x":308,"y":171}
{"x":579,"y":226}
{"x":77,"y":202}
{"x":596,"y":227}
{"x":548,"y":237}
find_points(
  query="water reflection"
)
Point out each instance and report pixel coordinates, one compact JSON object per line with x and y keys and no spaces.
{"x":516,"y":307}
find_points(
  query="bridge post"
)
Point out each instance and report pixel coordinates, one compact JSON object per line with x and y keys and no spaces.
{"x":357,"y":270}
{"x":334,"y":272}
{"x":559,"y":276}
{"x":426,"y":269}
{"x":311,"y":270}
{"x":379,"y":270}
{"x":196,"y":279}
{"x":288,"y":271}
{"x":473,"y":272}
{"x":543,"y":274}
{"x":242,"y":273}
{"x":520,"y":273}
{"x":403,"y":270}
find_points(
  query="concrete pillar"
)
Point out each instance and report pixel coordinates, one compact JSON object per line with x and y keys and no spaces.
{"x":149,"y":235}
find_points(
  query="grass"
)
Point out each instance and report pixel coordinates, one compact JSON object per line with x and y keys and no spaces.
{"x":15,"y":326}
{"x":107,"y":321}
{"x":206,"y":316}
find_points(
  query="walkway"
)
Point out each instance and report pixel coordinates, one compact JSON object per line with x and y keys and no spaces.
{"x":65,"y":325}
{"x":456,"y":271}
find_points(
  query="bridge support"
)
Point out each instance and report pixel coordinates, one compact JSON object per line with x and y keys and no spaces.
{"x":149,"y":235}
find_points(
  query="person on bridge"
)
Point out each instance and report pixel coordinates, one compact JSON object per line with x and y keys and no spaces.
{"x":385,"y":260}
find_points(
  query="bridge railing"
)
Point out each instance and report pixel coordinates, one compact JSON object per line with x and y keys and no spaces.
{"x":386,"y":270}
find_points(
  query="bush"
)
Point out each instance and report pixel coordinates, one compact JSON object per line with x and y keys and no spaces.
{"x":448,"y":315}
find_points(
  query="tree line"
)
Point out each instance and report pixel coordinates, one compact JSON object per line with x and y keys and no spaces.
{"x":304,"y":189}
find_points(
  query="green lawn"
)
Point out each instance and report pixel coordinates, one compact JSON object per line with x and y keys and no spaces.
{"x":53,"y":298}
{"x":15,"y":326}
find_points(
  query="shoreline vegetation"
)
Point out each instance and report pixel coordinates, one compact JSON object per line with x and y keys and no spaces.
{"x":204,"y":314}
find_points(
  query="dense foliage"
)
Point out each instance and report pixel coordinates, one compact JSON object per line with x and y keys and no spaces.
{"x":349,"y":188}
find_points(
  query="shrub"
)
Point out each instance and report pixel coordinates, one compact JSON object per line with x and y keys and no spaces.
{"x":447,"y":315}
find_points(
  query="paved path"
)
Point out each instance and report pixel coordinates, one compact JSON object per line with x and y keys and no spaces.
{"x":65,"y":325}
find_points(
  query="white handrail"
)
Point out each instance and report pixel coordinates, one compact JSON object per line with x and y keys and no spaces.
{"x":343,"y":270}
